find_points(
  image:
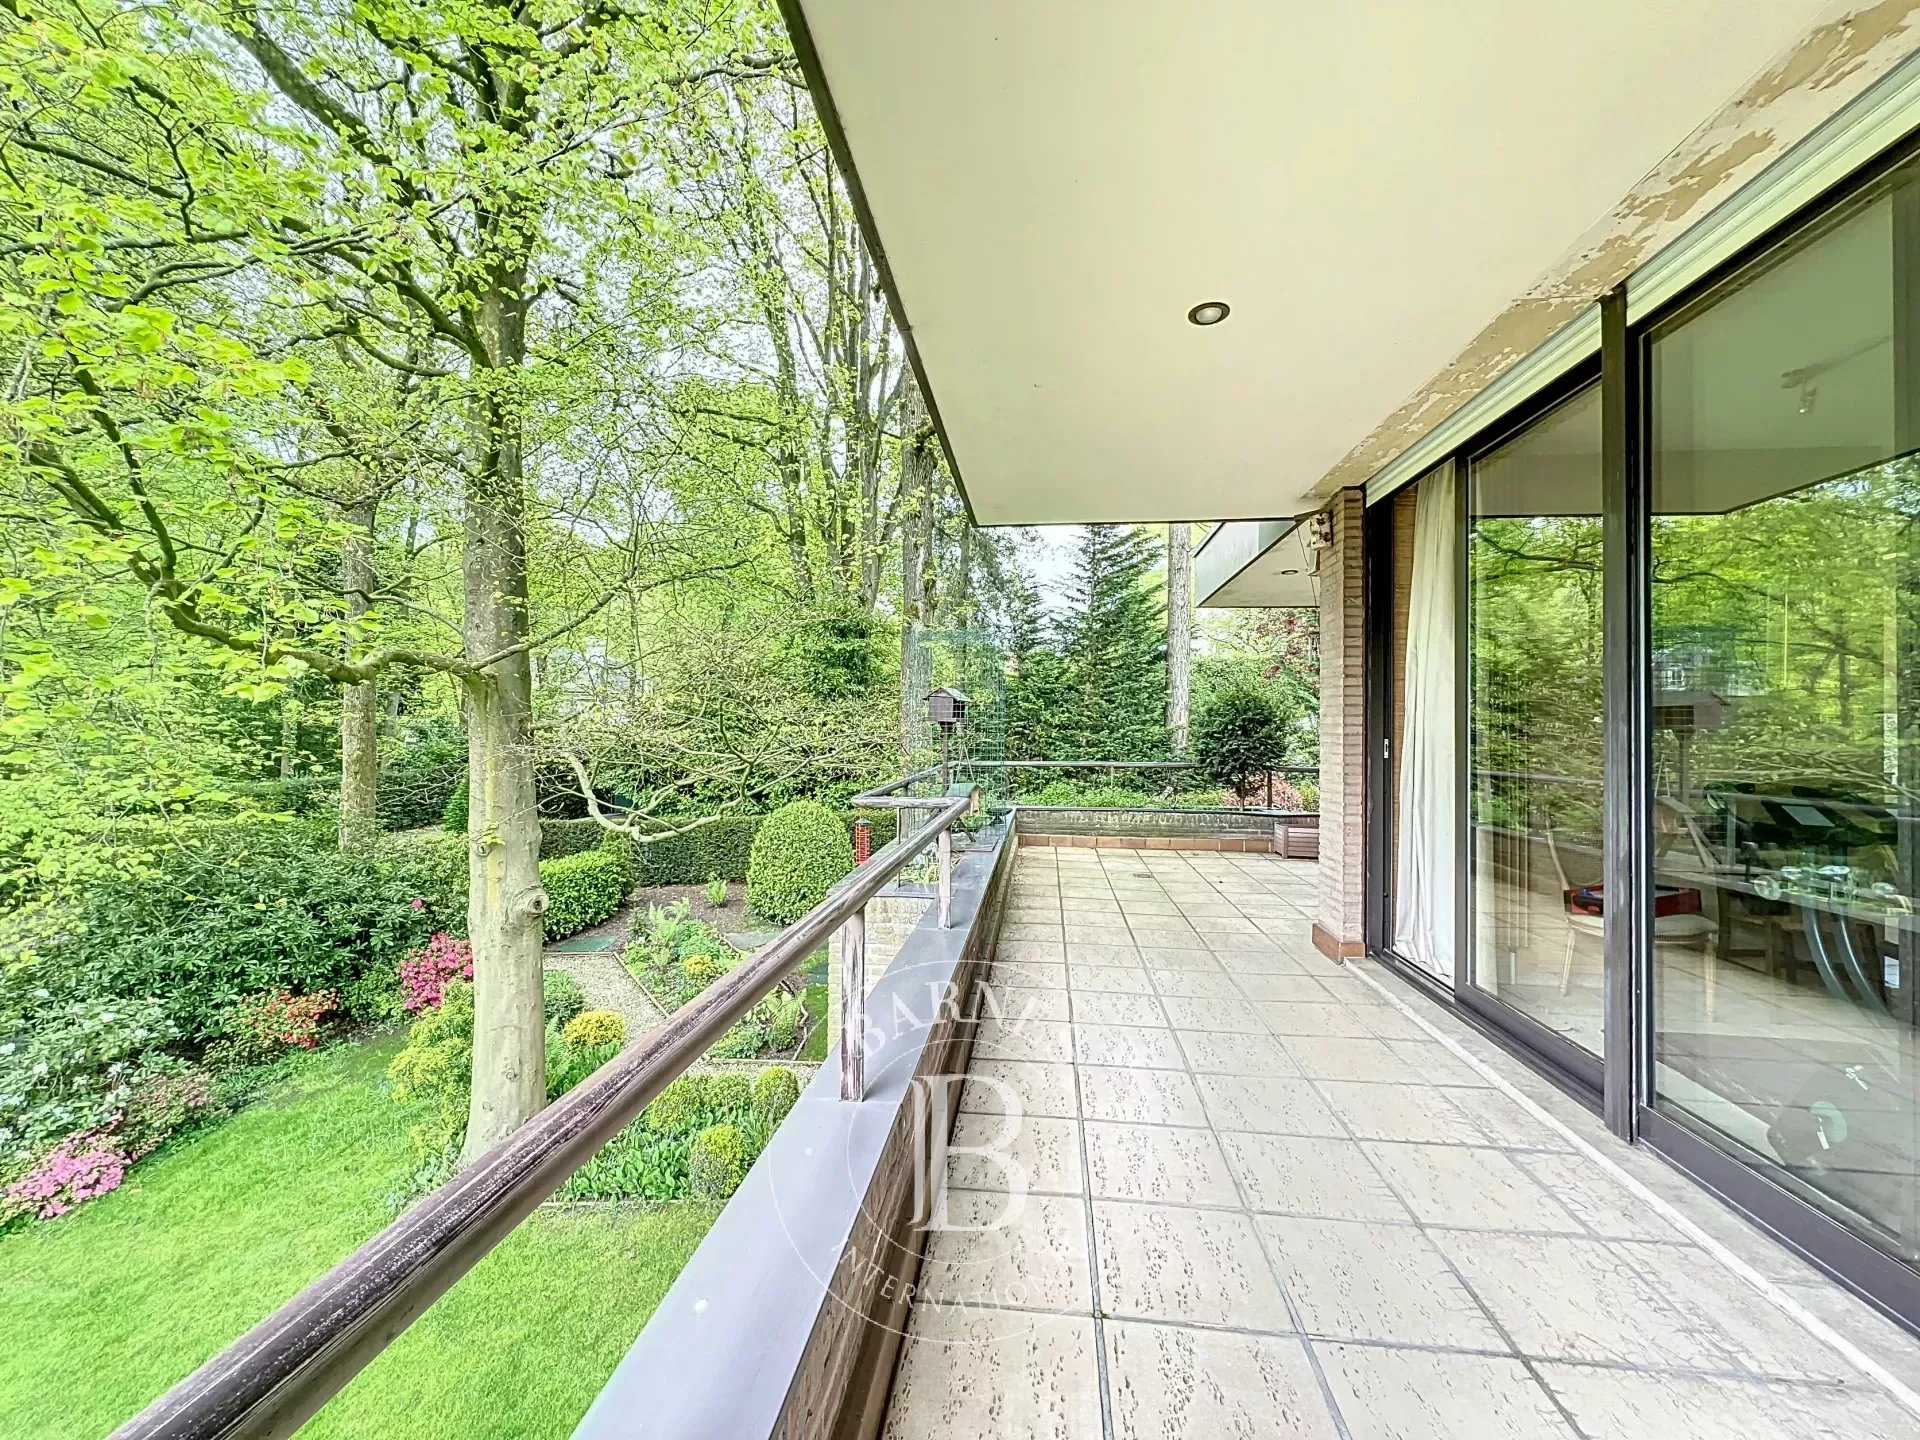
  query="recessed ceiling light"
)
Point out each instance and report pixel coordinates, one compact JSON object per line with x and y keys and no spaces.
{"x":1209,"y":312}
{"x":1289,"y":572}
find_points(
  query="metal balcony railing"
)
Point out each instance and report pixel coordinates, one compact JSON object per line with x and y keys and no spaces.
{"x":272,"y":1379}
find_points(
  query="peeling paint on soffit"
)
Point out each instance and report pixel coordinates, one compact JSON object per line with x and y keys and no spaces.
{"x":1839,"y":58}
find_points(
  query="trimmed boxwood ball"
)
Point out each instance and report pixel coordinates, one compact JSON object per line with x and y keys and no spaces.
{"x":719,"y":1162}
{"x":728,"y":1091}
{"x":562,"y":997}
{"x":592,"y":1028}
{"x":776,"y":1090}
{"x":801,"y":851}
{"x":675,"y":1108}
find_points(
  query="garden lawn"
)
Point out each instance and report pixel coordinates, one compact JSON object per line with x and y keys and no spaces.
{"x":103,"y":1309}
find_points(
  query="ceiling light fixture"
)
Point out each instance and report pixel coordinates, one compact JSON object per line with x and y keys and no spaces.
{"x":1209,"y":312}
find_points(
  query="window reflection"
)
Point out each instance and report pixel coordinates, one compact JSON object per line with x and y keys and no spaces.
{"x":1535,"y":712}
{"x":1786,"y":670}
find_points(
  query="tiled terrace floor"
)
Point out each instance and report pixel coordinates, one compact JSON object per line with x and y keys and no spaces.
{"x":1264,"y":1200}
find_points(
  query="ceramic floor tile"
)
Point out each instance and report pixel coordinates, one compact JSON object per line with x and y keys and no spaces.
{"x":1122,"y":954}
{"x":1024,"y":1252}
{"x":1009,"y":1152}
{"x":1164,"y":937}
{"x":1027,"y":975}
{"x":972,"y":1374}
{"x":1272,"y":1104}
{"x":1589,"y":1300}
{"x":1114,"y":934}
{"x":1355,"y":1281}
{"x":1612,"y":1403}
{"x":1310,"y":1176}
{"x":1417,"y":1395}
{"x":1292,"y":1017}
{"x":1126,"y":1045}
{"x":1203,"y":1266}
{"x":1438,"y":1065}
{"x":1120,"y":979}
{"x":1469,"y":1188}
{"x":1022,"y":1087}
{"x":1596,"y":1199}
{"x":1212,"y":984}
{"x":1502,"y":1120}
{"x":1019,"y":952}
{"x":1227,"y":1054}
{"x":1149,"y":1097}
{"x":1298,"y":989}
{"x":1159,"y":1163}
{"x":1190,"y":1012}
{"x":1015,"y":1005}
{"x":1333,"y":1058}
{"x":1163,"y":957}
{"x":1169,"y":1382}
{"x":1034,"y":1040}
{"x":1107,"y":1007}
{"x":1375,"y":1111}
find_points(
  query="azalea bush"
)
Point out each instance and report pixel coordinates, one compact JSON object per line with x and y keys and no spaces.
{"x":68,"y":1068}
{"x":424,"y":973}
{"x":80,"y":1168}
{"x":261,"y":1026}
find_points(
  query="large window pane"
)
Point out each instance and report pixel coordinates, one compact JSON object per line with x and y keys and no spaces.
{"x":1786,"y":668}
{"x":1535,"y":720}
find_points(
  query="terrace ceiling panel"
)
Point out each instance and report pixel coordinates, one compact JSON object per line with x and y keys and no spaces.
{"x":1055,"y":183}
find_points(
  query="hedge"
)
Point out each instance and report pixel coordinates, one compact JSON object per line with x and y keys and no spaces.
{"x":583,"y":890}
{"x":723,"y":848}
{"x":570,"y":837}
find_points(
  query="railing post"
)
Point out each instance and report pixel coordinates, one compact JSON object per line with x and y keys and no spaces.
{"x":853,"y":1006}
{"x":946,"y":879}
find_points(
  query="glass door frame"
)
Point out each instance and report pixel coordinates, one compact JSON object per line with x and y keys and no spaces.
{"x":1620,"y":1083}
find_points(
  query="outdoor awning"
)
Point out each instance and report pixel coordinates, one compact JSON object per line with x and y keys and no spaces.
{"x":1376,"y":189}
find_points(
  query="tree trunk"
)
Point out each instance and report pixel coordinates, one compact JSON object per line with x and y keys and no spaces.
{"x":289,"y":735}
{"x":1179,"y":632}
{"x":916,"y":466}
{"x":359,"y":704}
{"x":505,"y":901}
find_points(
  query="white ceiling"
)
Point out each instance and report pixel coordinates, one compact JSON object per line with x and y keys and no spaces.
{"x":1056,"y":182}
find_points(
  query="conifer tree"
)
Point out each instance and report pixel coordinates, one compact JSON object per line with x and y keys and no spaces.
{"x":1113,"y":641}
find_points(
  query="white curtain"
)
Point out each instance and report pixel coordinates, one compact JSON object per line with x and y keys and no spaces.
{"x":1423,"y":868}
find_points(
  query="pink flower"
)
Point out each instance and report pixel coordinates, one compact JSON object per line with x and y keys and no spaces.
{"x":417,"y":903}
{"x":424,"y":973}
{"x":79,"y":1168}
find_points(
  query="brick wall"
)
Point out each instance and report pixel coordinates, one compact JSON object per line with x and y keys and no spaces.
{"x":1339,"y":926}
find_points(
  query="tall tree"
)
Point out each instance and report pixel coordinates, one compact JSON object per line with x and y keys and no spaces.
{"x":1113,"y":642}
{"x":1179,"y":632}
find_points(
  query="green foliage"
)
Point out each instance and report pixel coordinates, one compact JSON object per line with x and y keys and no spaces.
{"x":838,"y":654}
{"x":1241,"y":735}
{"x":718,"y":1163}
{"x":800,"y":853}
{"x":569,"y":837}
{"x":593,"y":1028}
{"x":729,"y":1092}
{"x":582,"y":890}
{"x":453,"y":815}
{"x":373,"y":998}
{"x":236,"y":909}
{"x":677,"y":1107}
{"x":716,"y":891}
{"x":301,"y":795}
{"x":1119,"y":797}
{"x":776,"y":1090}
{"x":700,"y":970}
{"x":719,"y":848}
{"x":561,"y":997}
{"x":568,"y":1063}
{"x":70,"y":1066}
{"x":433,"y":1075}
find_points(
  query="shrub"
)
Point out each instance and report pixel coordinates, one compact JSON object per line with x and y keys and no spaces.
{"x":163,"y":1102}
{"x":582,"y":890}
{"x":569,"y":837}
{"x":676,"y":1108}
{"x":425,"y":973}
{"x":67,"y":1069}
{"x":700,"y":970}
{"x":561,"y":998}
{"x":800,"y":853}
{"x":592,"y":1028}
{"x":729,"y":1092}
{"x":717,"y":891}
{"x":239,"y":909}
{"x":76,"y":1170}
{"x":776,"y":1090}
{"x":569,"y":1064}
{"x":374,"y":998}
{"x":637,"y":1164}
{"x":261,"y":1026}
{"x":453,"y":815}
{"x":1240,"y":734}
{"x":721,"y":847}
{"x":785,"y":1014}
{"x":434,"y":1073}
{"x":718,"y":1163}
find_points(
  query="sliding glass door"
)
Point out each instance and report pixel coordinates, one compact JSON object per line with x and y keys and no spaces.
{"x":1534,"y":772}
{"x":1786,"y":715}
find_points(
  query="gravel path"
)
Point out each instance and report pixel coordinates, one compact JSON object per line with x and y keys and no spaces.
{"x":605,"y":981}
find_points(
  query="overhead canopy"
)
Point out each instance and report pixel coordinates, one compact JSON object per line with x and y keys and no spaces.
{"x":1053,"y":186}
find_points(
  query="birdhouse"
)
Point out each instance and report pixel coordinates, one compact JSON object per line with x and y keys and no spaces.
{"x":946,"y":707}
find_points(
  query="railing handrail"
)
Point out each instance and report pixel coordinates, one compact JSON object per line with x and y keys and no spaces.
{"x":1104,"y":765}
{"x":272,"y":1379}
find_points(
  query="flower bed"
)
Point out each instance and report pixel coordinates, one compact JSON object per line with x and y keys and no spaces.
{"x":675,"y":958}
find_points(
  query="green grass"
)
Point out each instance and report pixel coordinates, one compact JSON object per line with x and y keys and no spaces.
{"x":102,"y":1310}
{"x":816,"y":999}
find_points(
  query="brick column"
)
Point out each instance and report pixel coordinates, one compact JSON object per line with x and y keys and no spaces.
{"x":1339,"y":921}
